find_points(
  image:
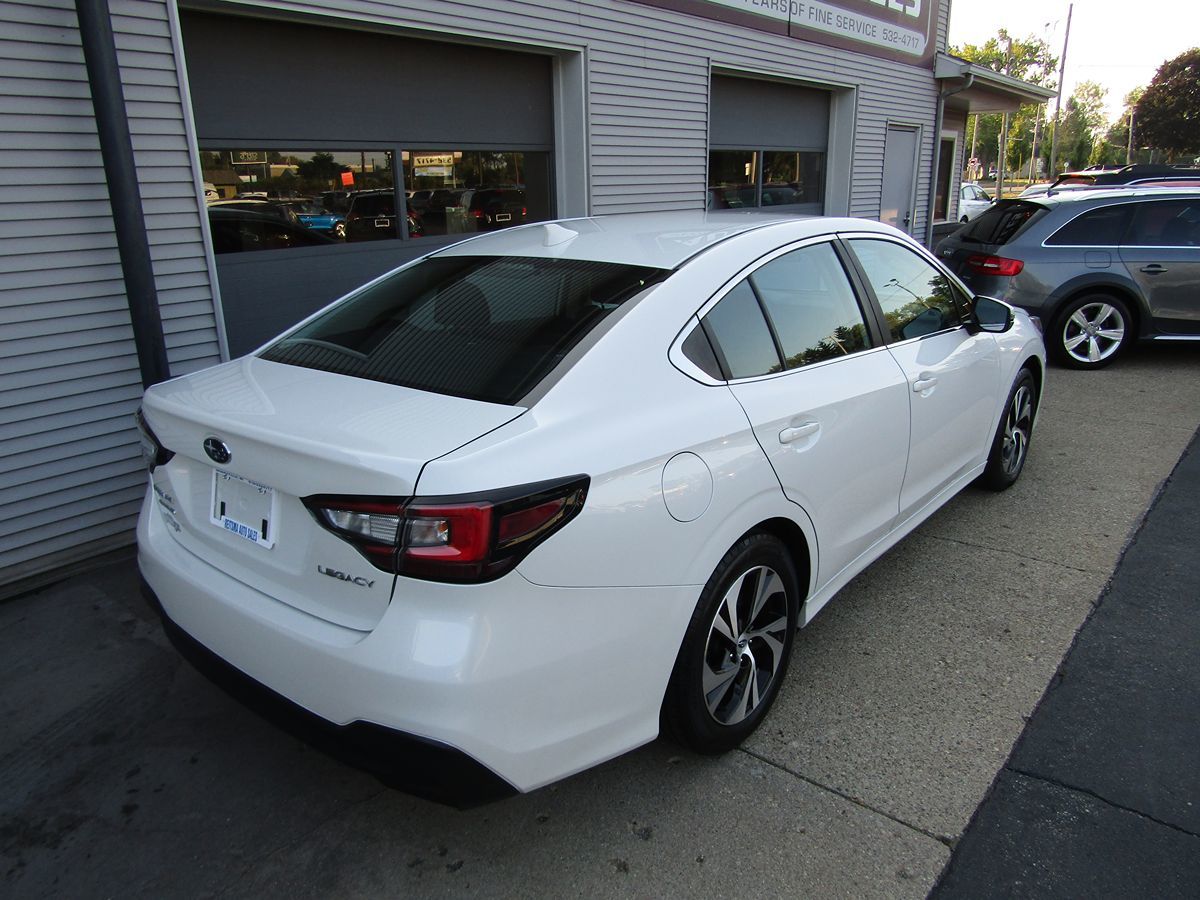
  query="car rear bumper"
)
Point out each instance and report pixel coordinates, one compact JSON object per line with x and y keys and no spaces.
{"x":527,"y":683}
{"x":415,"y":765}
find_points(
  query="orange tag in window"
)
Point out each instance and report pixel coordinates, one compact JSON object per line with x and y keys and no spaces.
{"x":347,"y":179}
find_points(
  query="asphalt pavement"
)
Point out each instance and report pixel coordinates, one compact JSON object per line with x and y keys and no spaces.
{"x":1101,"y":796}
{"x":127,"y":774}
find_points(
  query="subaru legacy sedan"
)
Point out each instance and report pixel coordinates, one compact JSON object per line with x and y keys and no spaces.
{"x":507,"y":511}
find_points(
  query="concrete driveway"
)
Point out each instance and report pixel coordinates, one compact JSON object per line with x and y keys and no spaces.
{"x":126,"y":774}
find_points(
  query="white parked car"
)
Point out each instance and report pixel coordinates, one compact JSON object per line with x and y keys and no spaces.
{"x":493,"y":517}
{"x":972,"y":200}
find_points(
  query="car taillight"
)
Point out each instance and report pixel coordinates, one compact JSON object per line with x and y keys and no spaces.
{"x":995,"y":265}
{"x":153,"y":452}
{"x":477,"y":213}
{"x":462,"y":539}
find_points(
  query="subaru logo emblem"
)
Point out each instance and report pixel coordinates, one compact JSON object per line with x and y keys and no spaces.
{"x":218,"y":451}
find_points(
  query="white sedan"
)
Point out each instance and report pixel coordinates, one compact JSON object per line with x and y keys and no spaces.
{"x":972,"y":200}
{"x":492,"y":518}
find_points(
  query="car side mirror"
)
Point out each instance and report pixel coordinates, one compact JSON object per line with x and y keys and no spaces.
{"x":992,"y":315}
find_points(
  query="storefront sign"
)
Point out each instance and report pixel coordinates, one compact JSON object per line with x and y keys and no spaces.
{"x":434,"y":159}
{"x":247,"y":157}
{"x":895,"y":29}
{"x":347,"y":179}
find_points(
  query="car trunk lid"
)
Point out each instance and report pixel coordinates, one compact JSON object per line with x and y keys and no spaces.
{"x":277,"y":433}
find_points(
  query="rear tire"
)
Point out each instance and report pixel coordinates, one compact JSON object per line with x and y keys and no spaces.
{"x":736,"y":649}
{"x":1090,"y":332}
{"x":1010,"y":446}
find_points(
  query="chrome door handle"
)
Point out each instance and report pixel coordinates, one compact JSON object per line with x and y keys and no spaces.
{"x":924,"y":383}
{"x":800,"y":431}
{"x":1153,"y":269}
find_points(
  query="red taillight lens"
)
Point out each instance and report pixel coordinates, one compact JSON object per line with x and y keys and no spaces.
{"x":464,"y":539}
{"x":995,"y":265}
{"x":477,"y":213}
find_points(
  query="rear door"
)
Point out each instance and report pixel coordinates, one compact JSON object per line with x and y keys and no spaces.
{"x":828,"y":404}
{"x":1161,"y":250}
{"x":952,"y":374}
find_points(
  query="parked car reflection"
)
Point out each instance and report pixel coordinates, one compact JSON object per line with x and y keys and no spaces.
{"x":237,"y":230}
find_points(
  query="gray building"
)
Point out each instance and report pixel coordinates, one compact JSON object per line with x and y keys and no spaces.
{"x":403,"y":124}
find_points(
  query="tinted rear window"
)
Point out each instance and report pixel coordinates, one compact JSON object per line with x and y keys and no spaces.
{"x":485,"y":328}
{"x":1001,"y":222}
{"x":374,"y":205}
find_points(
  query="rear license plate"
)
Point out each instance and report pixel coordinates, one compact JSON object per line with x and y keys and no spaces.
{"x":503,"y":217}
{"x":244,"y":507}
{"x":383,"y":223}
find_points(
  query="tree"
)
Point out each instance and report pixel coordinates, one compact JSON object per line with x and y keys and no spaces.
{"x":1168,"y":114}
{"x":1113,"y":148}
{"x":1026,"y":58}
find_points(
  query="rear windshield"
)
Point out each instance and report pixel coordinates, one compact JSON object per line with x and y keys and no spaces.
{"x":485,"y":328}
{"x":374,"y":205}
{"x":1001,"y":222}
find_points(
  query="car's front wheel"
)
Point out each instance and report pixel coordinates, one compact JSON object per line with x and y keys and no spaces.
{"x":1091,"y":331}
{"x":736,"y":649}
{"x":1010,"y":445}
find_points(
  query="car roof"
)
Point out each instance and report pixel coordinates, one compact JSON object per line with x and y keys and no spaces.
{"x":662,"y":240}
{"x":1095,"y":194}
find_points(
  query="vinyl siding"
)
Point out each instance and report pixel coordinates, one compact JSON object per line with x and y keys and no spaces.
{"x":71,"y":477}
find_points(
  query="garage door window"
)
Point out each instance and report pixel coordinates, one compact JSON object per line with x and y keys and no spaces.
{"x":281,"y":199}
{"x":739,"y":179}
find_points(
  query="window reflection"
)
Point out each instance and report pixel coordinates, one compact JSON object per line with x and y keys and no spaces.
{"x":310,"y":190}
{"x":738,"y":179}
{"x":350,"y":195}
{"x":464,"y":191}
{"x":915,"y":297}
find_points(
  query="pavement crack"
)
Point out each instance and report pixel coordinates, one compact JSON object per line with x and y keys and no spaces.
{"x":861,"y":804}
{"x":1105,"y":800}
{"x":1010,"y":552}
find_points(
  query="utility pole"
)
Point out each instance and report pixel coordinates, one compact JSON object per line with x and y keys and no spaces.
{"x":1062,"y":68}
{"x":1003,"y":133}
{"x":1129,"y":149}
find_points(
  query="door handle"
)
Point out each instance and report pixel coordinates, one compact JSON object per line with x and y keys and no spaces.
{"x":800,"y":431}
{"x":924,"y":382}
{"x":1153,"y":269}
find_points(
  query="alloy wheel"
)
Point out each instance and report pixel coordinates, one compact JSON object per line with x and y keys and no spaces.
{"x":745,"y":647}
{"x":1093,"y":332}
{"x":1017,"y":425}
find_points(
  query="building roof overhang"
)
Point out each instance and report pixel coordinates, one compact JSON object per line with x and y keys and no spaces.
{"x":977,"y":89}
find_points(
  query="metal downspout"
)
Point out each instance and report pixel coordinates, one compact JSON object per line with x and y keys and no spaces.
{"x":968,"y":80}
{"x":120,"y":170}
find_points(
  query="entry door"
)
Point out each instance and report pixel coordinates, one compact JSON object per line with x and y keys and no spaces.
{"x":899,"y":173}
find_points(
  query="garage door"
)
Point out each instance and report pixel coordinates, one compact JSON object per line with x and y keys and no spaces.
{"x":767,"y":145}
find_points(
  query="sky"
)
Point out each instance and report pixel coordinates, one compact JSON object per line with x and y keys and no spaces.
{"x":1116,"y":43}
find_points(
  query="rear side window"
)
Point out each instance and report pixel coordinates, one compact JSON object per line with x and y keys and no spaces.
{"x":1103,"y":227}
{"x":485,"y":328}
{"x":811,"y":305}
{"x":740,"y":334}
{"x":1165,"y":223}
{"x":1002,"y":222}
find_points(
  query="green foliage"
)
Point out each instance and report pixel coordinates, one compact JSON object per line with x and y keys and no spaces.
{"x":1167,"y":115}
{"x":1028,"y":59}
